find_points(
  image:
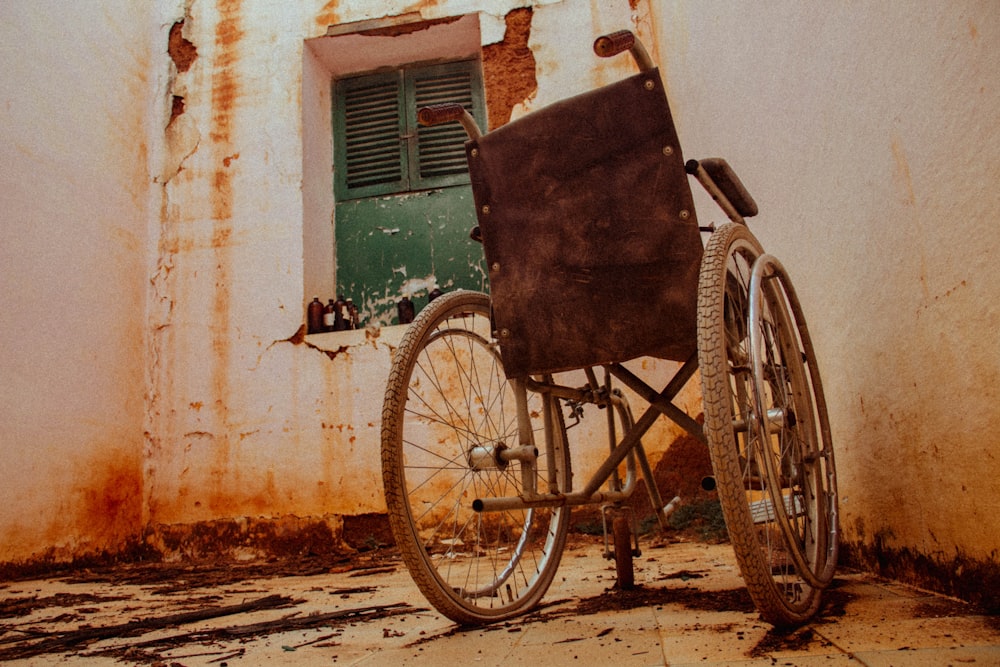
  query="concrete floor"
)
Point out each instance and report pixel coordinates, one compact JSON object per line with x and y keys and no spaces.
{"x":689,"y":609}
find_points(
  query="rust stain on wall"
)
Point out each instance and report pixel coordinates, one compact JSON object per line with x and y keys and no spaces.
{"x":225,"y":95}
{"x":509,"y":68}
{"x":420,"y":5}
{"x":100,"y":519}
{"x":286,"y":537}
{"x":222,"y":204}
{"x":225,"y":79}
{"x":109,"y":503}
{"x":328,"y":15}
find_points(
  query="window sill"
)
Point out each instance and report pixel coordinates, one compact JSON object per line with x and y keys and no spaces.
{"x":332,"y":341}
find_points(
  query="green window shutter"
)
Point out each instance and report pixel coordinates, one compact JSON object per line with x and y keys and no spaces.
{"x":378,"y":147}
{"x":439,"y":158}
{"x":369,"y":121}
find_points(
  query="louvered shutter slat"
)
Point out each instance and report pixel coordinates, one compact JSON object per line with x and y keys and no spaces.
{"x":380,"y":149}
{"x":374,"y":153}
{"x":441,"y":149}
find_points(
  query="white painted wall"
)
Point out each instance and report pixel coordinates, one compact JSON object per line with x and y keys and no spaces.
{"x":869,"y":136}
{"x":73,"y":261}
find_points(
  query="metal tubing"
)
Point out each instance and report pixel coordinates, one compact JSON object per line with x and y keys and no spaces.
{"x":661,"y":401}
{"x":526,"y":437}
{"x":652,"y":489}
{"x":641,"y":56}
{"x":558,"y":391}
{"x":614,"y":482}
{"x":551,"y":433}
{"x":524,"y":453}
{"x":619,"y":403}
{"x":775,"y":420}
{"x":622,"y":450}
{"x":631,"y":441}
{"x":470,"y":125}
{"x":546,"y":500}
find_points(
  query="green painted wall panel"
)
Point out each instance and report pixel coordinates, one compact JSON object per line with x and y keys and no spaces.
{"x":408,"y":242}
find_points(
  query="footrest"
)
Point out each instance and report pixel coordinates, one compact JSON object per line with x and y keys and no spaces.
{"x":762,"y":511}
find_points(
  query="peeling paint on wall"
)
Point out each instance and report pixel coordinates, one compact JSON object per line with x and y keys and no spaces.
{"x":249,"y":538}
{"x":180,"y":50}
{"x":408,"y":28}
{"x":183,"y":54}
{"x":181,"y":134}
{"x":509,"y":68}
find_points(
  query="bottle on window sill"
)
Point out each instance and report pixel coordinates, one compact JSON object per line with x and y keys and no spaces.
{"x":353,"y":322}
{"x":405,"y":310}
{"x":434,"y":293}
{"x":314,"y":318}
{"x":339,"y":313}
{"x":329,"y":316}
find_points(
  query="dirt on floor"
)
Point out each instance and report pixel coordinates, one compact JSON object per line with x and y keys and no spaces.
{"x":196,"y":593}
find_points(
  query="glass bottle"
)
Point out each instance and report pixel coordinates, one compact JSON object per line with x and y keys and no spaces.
{"x":405,"y":310}
{"x":314,"y":318}
{"x":329,"y":316}
{"x":339,"y":313}
{"x":352,"y":322}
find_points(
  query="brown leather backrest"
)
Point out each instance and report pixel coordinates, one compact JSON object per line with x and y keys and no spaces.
{"x":589,"y":231}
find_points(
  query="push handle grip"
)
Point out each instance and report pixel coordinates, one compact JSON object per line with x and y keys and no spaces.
{"x":624,"y":40}
{"x":613,"y":44}
{"x":440,"y":113}
{"x":436,"y":114}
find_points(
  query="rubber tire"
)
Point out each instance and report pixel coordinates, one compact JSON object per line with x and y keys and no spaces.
{"x":781,"y":595}
{"x":786,"y":377}
{"x":447,"y":395}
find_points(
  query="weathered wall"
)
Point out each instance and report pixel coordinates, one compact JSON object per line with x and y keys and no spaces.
{"x":247,"y":417}
{"x":868,"y":135}
{"x":156,"y":180}
{"x":73,"y":149}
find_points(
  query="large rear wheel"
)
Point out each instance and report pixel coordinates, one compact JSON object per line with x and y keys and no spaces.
{"x":448,"y":417}
{"x":767,"y":427}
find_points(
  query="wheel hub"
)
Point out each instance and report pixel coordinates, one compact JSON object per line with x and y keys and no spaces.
{"x":487,"y":456}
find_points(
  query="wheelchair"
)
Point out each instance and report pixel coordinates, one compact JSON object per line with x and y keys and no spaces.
{"x":596,"y":258}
